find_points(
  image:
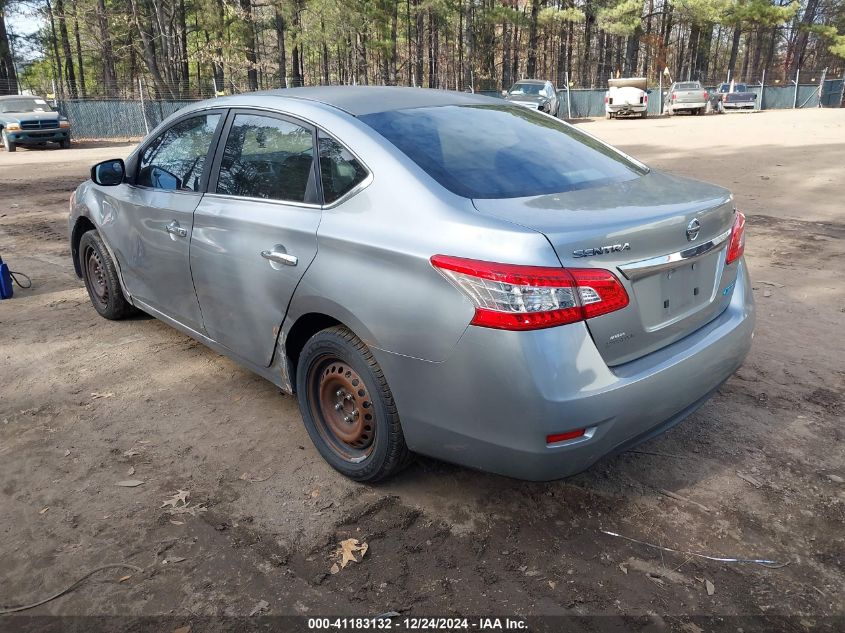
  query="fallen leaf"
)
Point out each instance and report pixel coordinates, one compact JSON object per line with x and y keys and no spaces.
{"x":131,"y":453}
{"x":254,"y":479}
{"x":711,"y":588}
{"x":334,"y":568}
{"x":183,"y":629}
{"x":124,"y":578}
{"x":129,"y":483}
{"x":43,"y":511}
{"x":179,"y":495}
{"x":131,"y":471}
{"x":175,"y":559}
{"x":97,"y":396}
{"x":347,"y":549}
{"x":67,"y":452}
{"x":552,"y":584}
{"x":261,"y":607}
{"x":623,"y":568}
{"x":177,"y":522}
{"x":754,"y":482}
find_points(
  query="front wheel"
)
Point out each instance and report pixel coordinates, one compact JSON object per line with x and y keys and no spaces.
{"x":9,"y":144}
{"x":65,"y":143}
{"x":348,"y":408}
{"x":101,"y":280}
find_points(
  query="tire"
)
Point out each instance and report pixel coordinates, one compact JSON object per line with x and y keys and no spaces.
{"x":341,"y":389}
{"x":608,"y":115}
{"x":65,"y":143}
{"x":644,"y":114}
{"x":10,"y":146}
{"x":101,"y":280}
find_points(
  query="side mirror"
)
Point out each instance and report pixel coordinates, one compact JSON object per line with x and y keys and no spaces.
{"x":109,"y":172}
{"x":504,"y":93}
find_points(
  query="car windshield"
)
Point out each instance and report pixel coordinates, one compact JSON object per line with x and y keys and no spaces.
{"x":24,"y":104}
{"x":502,"y":151}
{"x":689,"y":85}
{"x":526,"y":89}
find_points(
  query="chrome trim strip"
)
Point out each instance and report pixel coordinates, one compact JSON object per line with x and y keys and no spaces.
{"x":646,"y":267}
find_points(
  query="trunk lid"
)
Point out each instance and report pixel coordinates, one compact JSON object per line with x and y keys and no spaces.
{"x":638,"y":229}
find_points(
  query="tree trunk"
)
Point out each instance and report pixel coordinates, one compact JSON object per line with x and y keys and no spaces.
{"x":184,"y":68}
{"x":506,"y":56}
{"x":106,"y":53}
{"x":8,"y":73}
{"x":54,"y":44}
{"x":531,"y":63}
{"x":79,"y":65}
{"x":249,"y":45}
{"x":279,"y":22}
{"x":734,"y":50}
{"x":148,"y":52}
{"x":394,"y":26}
{"x":432,"y":49}
{"x":419,"y":47}
{"x":795,"y":52}
{"x":70,"y":74}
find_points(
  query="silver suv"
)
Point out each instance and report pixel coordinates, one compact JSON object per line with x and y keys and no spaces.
{"x":410,"y":264}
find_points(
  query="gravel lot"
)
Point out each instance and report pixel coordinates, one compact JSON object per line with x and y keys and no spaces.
{"x":757,"y":472}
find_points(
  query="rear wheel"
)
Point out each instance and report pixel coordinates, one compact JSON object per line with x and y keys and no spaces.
{"x":348,"y":408}
{"x":65,"y":143}
{"x":101,"y":280}
{"x":10,"y":145}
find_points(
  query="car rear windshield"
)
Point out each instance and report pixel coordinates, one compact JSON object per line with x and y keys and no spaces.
{"x":689,"y":85}
{"x":26,"y":104}
{"x":494,"y":151}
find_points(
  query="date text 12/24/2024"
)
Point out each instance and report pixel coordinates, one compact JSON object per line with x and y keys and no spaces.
{"x":417,"y":624}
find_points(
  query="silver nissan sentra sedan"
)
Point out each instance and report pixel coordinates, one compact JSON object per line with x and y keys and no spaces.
{"x":411,"y":265}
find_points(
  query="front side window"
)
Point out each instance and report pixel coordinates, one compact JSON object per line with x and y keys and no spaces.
{"x":175,"y":160}
{"x":267,"y":158}
{"x":340,"y":171}
{"x":501,"y":151}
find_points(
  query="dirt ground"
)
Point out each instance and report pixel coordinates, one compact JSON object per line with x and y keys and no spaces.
{"x":756,"y":473}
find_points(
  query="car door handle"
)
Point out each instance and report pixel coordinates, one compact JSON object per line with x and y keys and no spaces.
{"x":280,"y":257}
{"x":174,"y":229}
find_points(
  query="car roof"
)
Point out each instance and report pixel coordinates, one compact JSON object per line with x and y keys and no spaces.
{"x":531,"y":81}
{"x":363,"y":100}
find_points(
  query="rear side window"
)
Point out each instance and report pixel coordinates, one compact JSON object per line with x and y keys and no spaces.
{"x":501,"y":151}
{"x":175,"y":160}
{"x":339,"y":169}
{"x":268,"y":158}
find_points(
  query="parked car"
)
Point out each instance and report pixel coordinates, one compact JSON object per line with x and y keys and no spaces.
{"x":536,"y":94}
{"x":31,"y":121}
{"x":626,"y":96}
{"x":687,"y":96}
{"x":737,"y":97}
{"x":416,"y":270}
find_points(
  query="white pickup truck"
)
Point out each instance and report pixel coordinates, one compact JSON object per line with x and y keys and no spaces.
{"x":626,"y":96}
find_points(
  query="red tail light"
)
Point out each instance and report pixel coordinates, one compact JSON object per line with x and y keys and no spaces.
{"x":605,"y":99}
{"x":706,"y":95}
{"x":645,"y":98}
{"x":736,"y":245}
{"x":674,"y":96}
{"x":512,"y":297}
{"x":562,"y":437}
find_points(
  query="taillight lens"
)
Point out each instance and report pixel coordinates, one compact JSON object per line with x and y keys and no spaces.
{"x":605,"y":99}
{"x":674,"y":96}
{"x":736,"y":246}
{"x":512,"y":297}
{"x":706,"y":95}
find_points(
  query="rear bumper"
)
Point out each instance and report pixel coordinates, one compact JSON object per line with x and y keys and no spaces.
{"x":691,"y":105}
{"x":739,"y":104}
{"x":623,"y":108}
{"x":32,"y":137}
{"x":492,"y":403}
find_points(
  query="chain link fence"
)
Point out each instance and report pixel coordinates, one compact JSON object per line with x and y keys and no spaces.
{"x":135,"y":116}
